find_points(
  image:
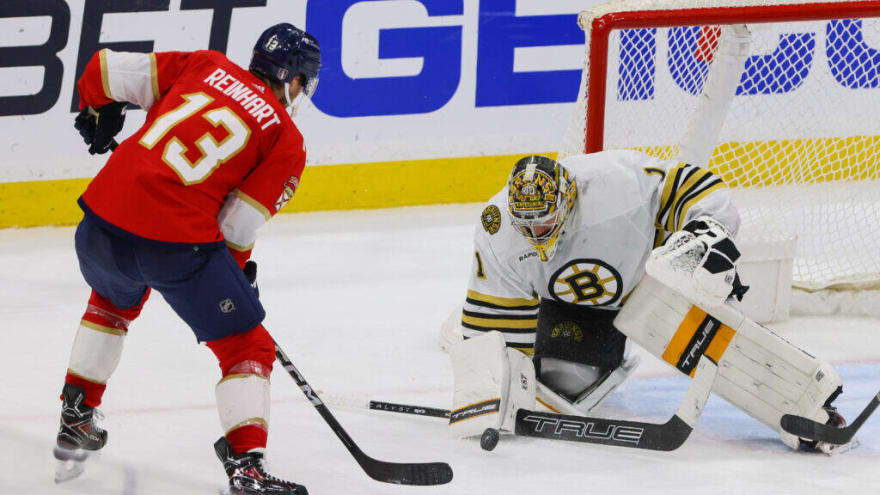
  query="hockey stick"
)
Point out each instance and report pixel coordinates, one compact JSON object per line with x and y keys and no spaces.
{"x":429,"y":473}
{"x":812,"y":430}
{"x":635,"y":434}
{"x":404,"y":409}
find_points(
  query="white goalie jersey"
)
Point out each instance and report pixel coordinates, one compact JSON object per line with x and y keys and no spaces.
{"x":628,"y":202}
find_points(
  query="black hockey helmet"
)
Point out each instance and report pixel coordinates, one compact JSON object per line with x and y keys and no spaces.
{"x":284,"y":52}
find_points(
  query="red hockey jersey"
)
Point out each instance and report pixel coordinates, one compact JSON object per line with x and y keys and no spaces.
{"x":217,"y":156}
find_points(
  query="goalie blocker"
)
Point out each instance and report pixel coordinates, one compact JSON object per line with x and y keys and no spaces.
{"x":758,"y":371}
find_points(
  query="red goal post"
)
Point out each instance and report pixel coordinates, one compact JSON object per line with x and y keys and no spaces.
{"x":779,"y":98}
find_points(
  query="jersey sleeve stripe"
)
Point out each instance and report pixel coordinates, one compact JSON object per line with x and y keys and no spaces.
{"x":692,"y":183}
{"x":154,"y":77}
{"x":669,"y":188}
{"x":105,"y":75}
{"x":713,"y":186}
{"x":486,"y":300}
{"x":502,"y":316}
{"x":254,"y":203}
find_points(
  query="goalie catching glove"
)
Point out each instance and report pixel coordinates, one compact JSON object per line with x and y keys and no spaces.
{"x":699,"y":261}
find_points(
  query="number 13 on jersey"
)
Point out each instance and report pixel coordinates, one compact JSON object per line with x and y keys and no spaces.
{"x":214,"y":153}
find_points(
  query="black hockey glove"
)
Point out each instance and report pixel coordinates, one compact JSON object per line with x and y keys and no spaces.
{"x":250,"y":273}
{"x":98,"y":127}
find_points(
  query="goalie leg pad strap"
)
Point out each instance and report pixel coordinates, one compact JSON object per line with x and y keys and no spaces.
{"x":758,"y":371}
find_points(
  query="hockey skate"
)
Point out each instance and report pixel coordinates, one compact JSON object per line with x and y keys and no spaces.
{"x":247,"y":475}
{"x":78,"y":434}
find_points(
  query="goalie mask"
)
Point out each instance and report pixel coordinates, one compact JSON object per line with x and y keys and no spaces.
{"x":541,"y":195}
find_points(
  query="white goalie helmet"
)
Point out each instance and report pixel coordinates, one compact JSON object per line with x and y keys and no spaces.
{"x":541,"y":196}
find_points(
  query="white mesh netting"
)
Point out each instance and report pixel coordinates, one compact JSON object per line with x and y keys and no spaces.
{"x":795,"y":129}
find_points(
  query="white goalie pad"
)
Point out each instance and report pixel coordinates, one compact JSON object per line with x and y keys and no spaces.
{"x":451,"y":331}
{"x":761,"y":373}
{"x":491,"y":383}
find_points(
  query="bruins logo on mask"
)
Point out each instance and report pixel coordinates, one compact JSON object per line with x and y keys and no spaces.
{"x":588,"y":282}
{"x":535,"y":196}
{"x":491,"y":218}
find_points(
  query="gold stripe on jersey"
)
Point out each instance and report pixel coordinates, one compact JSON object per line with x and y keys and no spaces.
{"x":105,"y":74}
{"x":502,"y":302}
{"x":254,"y":203}
{"x":706,"y":189}
{"x":154,"y":76}
{"x":685,"y":186}
{"x":528,"y":351}
{"x":692,"y":178}
{"x":507,"y":323}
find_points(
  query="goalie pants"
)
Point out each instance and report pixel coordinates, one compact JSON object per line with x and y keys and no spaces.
{"x":579,"y":334}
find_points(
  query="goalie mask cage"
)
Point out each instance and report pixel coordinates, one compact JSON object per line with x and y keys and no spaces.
{"x":782,"y":100}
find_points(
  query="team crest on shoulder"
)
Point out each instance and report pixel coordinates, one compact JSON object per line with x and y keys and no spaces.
{"x":491,"y":218}
{"x":588,"y":282}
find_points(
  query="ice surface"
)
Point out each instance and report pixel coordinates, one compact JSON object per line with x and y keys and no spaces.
{"x":356,"y":300}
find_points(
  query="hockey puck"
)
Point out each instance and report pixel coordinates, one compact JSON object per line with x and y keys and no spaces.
{"x":489,"y":439}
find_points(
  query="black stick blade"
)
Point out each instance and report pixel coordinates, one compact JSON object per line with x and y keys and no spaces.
{"x":802,"y":427}
{"x":417,"y":474}
{"x":811,"y":430}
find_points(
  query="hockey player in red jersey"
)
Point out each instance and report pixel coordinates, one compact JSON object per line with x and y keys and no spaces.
{"x":175,"y":209}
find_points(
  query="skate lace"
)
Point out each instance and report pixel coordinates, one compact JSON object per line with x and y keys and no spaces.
{"x":265,"y":467}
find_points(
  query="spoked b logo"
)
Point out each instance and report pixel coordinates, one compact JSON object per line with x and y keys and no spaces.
{"x":586,"y":281}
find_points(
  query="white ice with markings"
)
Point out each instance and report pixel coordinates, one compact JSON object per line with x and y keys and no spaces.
{"x":356,"y":300}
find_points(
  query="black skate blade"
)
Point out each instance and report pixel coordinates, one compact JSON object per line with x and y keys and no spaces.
{"x":69,"y":463}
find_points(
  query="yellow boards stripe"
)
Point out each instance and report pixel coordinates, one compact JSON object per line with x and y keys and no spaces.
{"x":698,"y":334}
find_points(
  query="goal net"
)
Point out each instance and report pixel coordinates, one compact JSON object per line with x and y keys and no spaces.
{"x":782,"y":100}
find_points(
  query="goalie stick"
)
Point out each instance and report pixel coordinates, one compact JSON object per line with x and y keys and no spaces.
{"x":812,"y":430}
{"x":405,"y":409}
{"x":634,"y":434}
{"x":429,"y":473}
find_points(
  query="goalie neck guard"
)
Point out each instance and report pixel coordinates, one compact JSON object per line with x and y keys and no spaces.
{"x":541,"y":195}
